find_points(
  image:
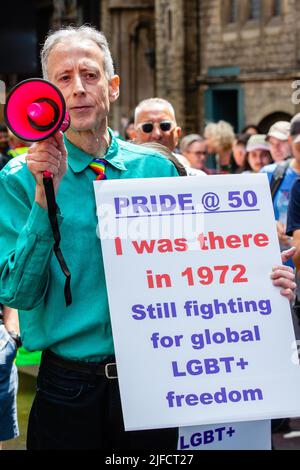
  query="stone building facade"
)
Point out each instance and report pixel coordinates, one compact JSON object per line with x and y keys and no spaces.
{"x":236,"y":60}
{"x":155,"y":44}
{"x":130,"y":29}
{"x":250,"y":52}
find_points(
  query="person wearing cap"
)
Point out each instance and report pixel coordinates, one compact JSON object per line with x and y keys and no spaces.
{"x":277,"y":137}
{"x":292,"y":172}
{"x":258,"y":153}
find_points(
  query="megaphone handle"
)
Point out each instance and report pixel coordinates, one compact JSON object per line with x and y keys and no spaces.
{"x":52,"y":207}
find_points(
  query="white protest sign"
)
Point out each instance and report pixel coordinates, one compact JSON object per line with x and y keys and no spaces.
{"x":201,"y":335}
{"x":254,"y":435}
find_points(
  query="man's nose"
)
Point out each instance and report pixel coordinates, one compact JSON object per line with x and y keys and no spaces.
{"x":157,"y":132}
{"x":78,"y":88}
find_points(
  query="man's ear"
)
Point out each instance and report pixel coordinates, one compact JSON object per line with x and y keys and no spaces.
{"x":177,"y":133}
{"x":113,"y":88}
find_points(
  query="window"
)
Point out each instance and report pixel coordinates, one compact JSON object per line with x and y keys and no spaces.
{"x":276,"y":8}
{"x":230,"y":11}
{"x":254,"y":9}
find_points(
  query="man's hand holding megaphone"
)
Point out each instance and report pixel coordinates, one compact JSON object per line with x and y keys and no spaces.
{"x":50,"y":155}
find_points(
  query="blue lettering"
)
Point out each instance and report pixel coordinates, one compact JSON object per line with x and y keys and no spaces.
{"x":168,"y":203}
{"x":220,"y":431}
{"x":139,"y":202}
{"x":120,"y":203}
{"x":196,"y":439}
{"x":208,"y":437}
{"x":176,"y":372}
{"x":182,"y":444}
{"x":139,"y":312}
{"x":184,"y":199}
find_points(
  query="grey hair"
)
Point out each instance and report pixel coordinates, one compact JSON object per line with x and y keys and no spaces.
{"x":221,"y":133}
{"x":149,"y":102}
{"x":80,"y":33}
{"x":188,"y":140}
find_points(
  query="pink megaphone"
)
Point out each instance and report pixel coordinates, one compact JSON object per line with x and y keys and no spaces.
{"x":35,"y":109}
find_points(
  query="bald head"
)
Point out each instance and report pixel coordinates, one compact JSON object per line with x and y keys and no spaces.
{"x":154,"y":121}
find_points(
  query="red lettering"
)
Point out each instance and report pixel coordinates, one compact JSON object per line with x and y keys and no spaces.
{"x":118,"y":245}
{"x":144,"y":246}
{"x":261,"y":239}
{"x":233,"y":241}
{"x":180,"y":244}
{"x":246,"y":238}
{"x":217,"y":242}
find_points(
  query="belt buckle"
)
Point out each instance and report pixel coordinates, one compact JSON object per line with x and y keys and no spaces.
{"x":107,"y":375}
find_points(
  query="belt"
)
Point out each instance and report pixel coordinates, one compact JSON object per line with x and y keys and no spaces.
{"x":107,"y":369}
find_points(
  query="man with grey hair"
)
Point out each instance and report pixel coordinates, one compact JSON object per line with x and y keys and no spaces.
{"x":77,"y":404}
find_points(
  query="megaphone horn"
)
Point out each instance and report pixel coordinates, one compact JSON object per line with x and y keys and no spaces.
{"x":35,"y":109}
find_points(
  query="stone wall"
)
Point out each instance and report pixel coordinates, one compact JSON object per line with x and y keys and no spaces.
{"x":192,"y":38}
{"x":266,"y":51}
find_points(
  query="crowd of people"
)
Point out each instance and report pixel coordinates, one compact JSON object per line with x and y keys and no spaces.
{"x":77,"y":402}
{"x":221,"y":151}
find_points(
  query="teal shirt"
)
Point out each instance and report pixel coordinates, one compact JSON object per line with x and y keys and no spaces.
{"x":30,"y":277}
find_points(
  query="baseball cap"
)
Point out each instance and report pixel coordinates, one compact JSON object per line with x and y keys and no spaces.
{"x":295,"y":128}
{"x":257,"y":142}
{"x":280,"y":130}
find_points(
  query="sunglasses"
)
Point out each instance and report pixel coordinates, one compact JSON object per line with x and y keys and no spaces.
{"x":148,"y":127}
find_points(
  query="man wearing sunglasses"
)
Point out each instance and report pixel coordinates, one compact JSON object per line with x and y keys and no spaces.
{"x":154,"y":121}
{"x":155,"y":126}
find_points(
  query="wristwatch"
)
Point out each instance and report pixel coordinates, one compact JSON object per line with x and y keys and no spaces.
{"x":16,"y":337}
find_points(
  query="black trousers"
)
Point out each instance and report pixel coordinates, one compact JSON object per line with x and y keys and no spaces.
{"x":78,"y":410}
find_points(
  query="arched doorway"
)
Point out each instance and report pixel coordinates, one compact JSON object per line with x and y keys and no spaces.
{"x":268,"y":120}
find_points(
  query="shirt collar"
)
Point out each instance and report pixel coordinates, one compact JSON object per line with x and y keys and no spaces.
{"x":80,"y":160}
